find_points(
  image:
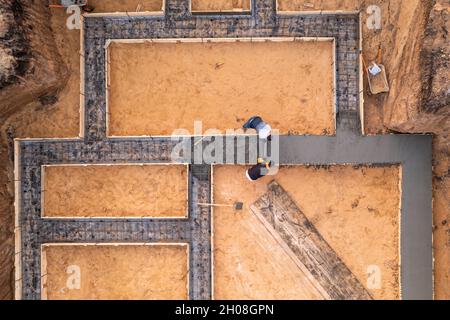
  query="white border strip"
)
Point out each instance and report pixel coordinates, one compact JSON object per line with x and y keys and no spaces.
{"x":17,"y":225}
{"x":400,"y":192}
{"x":212,"y":232}
{"x":361,"y":78}
{"x":82,"y":82}
{"x":335,"y":102}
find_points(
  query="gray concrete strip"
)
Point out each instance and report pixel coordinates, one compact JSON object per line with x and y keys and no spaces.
{"x":352,"y":149}
{"x":416,"y":224}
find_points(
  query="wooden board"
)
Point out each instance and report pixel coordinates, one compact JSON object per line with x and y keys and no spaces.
{"x":280,"y":212}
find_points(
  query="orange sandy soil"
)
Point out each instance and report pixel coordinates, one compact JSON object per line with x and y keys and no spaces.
{"x":157,"y":88}
{"x":306,"y":5}
{"x":356,"y":210}
{"x":220,"y":5}
{"x":108,"y":191}
{"x":116,"y":272}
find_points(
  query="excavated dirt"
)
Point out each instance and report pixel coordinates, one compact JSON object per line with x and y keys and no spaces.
{"x":116,"y":272}
{"x":220,"y":5}
{"x":158,"y":88}
{"x":115,"y":191}
{"x":34,"y":68}
{"x":7,"y":62}
{"x":356,"y":210}
{"x":13,"y":46}
{"x":60,"y":119}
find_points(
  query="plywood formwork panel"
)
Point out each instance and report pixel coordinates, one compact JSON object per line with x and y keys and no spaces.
{"x":17,"y":225}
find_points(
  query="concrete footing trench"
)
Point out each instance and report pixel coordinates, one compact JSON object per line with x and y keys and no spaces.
{"x":181,"y":229}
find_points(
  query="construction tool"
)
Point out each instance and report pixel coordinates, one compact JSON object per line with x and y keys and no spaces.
{"x":235,"y":206}
{"x":376,"y":74}
{"x":69,"y":3}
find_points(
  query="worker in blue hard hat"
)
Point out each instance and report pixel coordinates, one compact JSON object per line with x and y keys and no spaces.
{"x":263,"y":129}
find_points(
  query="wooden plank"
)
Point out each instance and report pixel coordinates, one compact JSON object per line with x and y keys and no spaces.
{"x":281,"y":213}
{"x":292,"y":255}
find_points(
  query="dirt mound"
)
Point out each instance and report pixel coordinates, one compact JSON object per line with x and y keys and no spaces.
{"x":29,"y":67}
{"x":14,"y":49}
{"x":435,"y":62}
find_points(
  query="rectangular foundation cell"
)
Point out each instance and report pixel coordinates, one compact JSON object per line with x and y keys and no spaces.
{"x":156,"y":88}
{"x":220,"y":5}
{"x":124,"y":271}
{"x":355,"y":209}
{"x":158,"y":191}
{"x":317,"y":5}
{"x":131,"y":6}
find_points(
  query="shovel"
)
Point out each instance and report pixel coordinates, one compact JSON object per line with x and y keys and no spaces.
{"x":235,"y":206}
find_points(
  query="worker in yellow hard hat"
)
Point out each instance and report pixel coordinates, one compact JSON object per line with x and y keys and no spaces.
{"x":259,"y":170}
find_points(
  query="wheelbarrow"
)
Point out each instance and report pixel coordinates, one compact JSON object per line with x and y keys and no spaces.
{"x":69,"y":3}
{"x":376,"y":75}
